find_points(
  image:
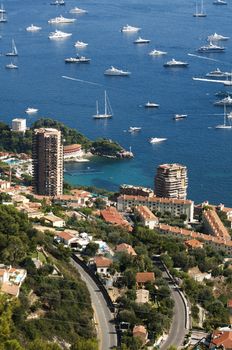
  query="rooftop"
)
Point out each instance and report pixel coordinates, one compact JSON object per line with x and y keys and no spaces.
{"x":143,"y":277}
{"x":146,"y":213}
{"x":124,"y":247}
{"x":142,"y":199}
{"x":101,"y":261}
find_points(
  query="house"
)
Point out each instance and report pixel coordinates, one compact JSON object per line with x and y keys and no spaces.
{"x":11,"y":280}
{"x":141,"y":333}
{"x":112,"y":216}
{"x":65,"y":238}
{"x":54,"y":221}
{"x":144,"y":277}
{"x":221,"y":339}
{"x":142,"y":296}
{"x":197,"y":275}
{"x":127,"y":248}
{"x":18,"y":199}
{"x":146,"y":216}
{"x":102,"y":265}
{"x":77,"y":199}
{"x":193,"y":244}
{"x":4,"y":185}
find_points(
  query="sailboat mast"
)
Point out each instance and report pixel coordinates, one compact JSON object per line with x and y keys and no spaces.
{"x":224,"y":115}
{"x":97,"y":111}
{"x":105,"y":104}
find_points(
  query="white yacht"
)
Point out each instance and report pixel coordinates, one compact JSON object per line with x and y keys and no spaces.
{"x":78,"y":59}
{"x":141,"y":41}
{"x":31,"y":110}
{"x":58,"y":2}
{"x":33,"y":28}
{"x":227,"y":101}
{"x":115,"y":71}
{"x":134,"y":129}
{"x":80,"y":44}
{"x":220,"y":2}
{"x":217,"y":73}
{"x":227,"y":121}
{"x":14,"y":51}
{"x":108,"y":112}
{"x":174,"y":63}
{"x":151,"y":105}
{"x":211,"y":48}
{"x":217,"y":37}
{"x":130,"y":29}
{"x":157,"y":139}
{"x":157,"y":53}
{"x":180,"y":116}
{"x":58,"y":34}
{"x":61,"y":20}
{"x":3,"y":18}
{"x":77,"y":10}
{"x":11,"y":66}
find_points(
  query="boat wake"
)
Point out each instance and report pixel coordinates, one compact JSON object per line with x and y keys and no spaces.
{"x":81,"y":81}
{"x":204,"y":58}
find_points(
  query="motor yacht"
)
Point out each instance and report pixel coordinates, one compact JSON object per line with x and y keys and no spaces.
{"x":80,"y":44}
{"x":33,"y":28}
{"x":11,"y":66}
{"x":211,"y":48}
{"x":141,"y":41}
{"x":151,"y":105}
{"x":61,"y":20}
{"x":130,"y":29}
{"x":157,"y":53}
{"x":77,"y":10}
{"x":227,"y":101}
{"x":115,"y":71}
{"x":58,"y":34}
{"x":157,"y":139}
{"x":174,"y":63}
{"x":180,"y":116}
{"x":58,"y":2}
{"x":217,"y":37}
{"x":134,"y":129}
{"x":220,"y":2}
{"x":78,"y":59}
{"x":217,"y":73}
{"x":31,"y":110}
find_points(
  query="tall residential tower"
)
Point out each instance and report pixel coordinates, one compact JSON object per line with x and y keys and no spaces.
{"x":171,"y":181}
{"x":47,"y":162}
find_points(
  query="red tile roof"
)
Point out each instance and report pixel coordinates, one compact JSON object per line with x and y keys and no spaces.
{"x":101,"y":261}
{"x":124,"y":247}
{"x":143,"y":277}
{"x":193,"y":243}
{"x":112,"y":216}
{"x":222,"y":338}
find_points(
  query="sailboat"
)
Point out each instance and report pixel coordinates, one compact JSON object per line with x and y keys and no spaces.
{"x":201,"y":13}
{"x":225,"y":125}
{"x":14,"y":51}
{"x":108,"y":113}
{"x":3,"y":18}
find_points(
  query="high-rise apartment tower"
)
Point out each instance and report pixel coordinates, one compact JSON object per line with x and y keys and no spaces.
{"x":171,"y":181}
{"x":47,"y":162}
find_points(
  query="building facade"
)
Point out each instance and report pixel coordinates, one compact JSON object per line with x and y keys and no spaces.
{"x":171,"y":181}
{"x":47,"y":162}
{"x":19,"y":125}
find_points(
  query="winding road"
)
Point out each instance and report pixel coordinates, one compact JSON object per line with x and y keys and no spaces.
{"x":103,"y":317}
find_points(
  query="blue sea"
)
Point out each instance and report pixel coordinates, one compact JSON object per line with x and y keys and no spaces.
{"x":171,"y":27}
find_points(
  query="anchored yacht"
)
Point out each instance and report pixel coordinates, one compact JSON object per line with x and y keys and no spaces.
{"x":58,"y":34}
{"x":11,"y":66}
{"x":31,"y":110}
{"x":115,"y":71}
{"x":33,"y":28}
{"x":151,"y":105}
{"x":211,"y":48}
{"x":130,"y":29}
{"x":174,"y":63}
{"x":141,"y":41}
{"x":80,"y":44}
{"x":77,"y":10}
{"x":61,"y":20}
{"x":217,"y":37}
{"x":157,"y":139}
{"x":157,"y":53}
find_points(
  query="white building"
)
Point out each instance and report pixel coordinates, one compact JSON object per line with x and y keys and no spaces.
{"x":146,"y":216}
{"x":19,"y":125}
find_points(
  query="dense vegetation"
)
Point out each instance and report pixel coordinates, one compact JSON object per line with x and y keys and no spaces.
{"x":54,"y":304}
{"x":22,"y":143}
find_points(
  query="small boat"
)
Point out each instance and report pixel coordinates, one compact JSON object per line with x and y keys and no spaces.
{"x":157,"y":53}
{"x":180,"y":116}
{"x":31,"y":110}
{"x":157,"y":139}
{"x":80,"y":44}
{"x":151,"y":105}
{"x":211,"y":48}
{"x":141,"y":41}
{"x":33,"y":28}
{"x":77,"y":10}
{"x":58,"y":2}
{"x":115,"y":71}
{"x":220,"y":2}
{"x":108,"y":112}
{"x":78,"y":59}
{"x":11,"y":66}
{"x":200,"y":13}
{"x":217,"y":37}
{"x":134,"y":129}
{"x":174,"y":63}
{"x":130,"y":29}
{"x":58,"y":34}
{"x":227,"y":121}
{"x":14,"y":51}
{"x":61,"y":20}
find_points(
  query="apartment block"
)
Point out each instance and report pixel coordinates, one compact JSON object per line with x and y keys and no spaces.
{"x":19,"y":125}
{"x":171,"y":181}
{"x":146,"y":216}
{"x":136,"y":190}
{"x":214,"y":225}
{"x":47,"y":162}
